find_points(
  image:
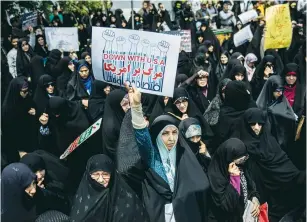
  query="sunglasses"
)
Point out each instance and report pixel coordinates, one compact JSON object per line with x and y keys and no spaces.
{"x":49,"y":84}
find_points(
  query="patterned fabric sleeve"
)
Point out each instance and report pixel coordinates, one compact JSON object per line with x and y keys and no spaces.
{"x":148,"y":152}
{"x":44,"y":130}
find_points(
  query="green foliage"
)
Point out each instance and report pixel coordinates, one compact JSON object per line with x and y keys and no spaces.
{"x":80,"y":7}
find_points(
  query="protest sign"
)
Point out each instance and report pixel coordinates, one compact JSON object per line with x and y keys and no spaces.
{"x":185,"y":43}
{"x":80,"y":139}
{"x":29,"y":19}
{"x":65,"y":39}
{"x":278,"y":32}
{"x":242,"y":36}
{"x":245,"y":17}
{"x":147,"y":60}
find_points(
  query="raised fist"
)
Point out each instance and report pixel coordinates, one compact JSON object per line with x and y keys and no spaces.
{"x":145,"y":43}
{"x":108,"y":35}
{"x":134,"y":39}
{"x":120,"y":40}
{"x":163,"y":46}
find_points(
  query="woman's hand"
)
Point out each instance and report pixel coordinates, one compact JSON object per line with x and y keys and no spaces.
{"x":134,"y":95}
{"x":85,"y":103}
{"x":233,"y":170}
{"x":44,"y":119}
{"x":32,"y":112}
{"x":202,"y":148}
{"x":256,"y":208}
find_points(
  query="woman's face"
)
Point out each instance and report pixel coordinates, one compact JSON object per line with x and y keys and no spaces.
{"x":113,"y":19}
{"x":165,"y":100}
{"x":124,"y":24}
{"x":202,"y":81}
{"x":81,"y":27}
{"x":239,"y":26}
{"x":200,"y":39}
{"x":24,"y":92}
{"x":107,"y":90}
{"x":291,"y":79}
{"x":38,"y":32}
{"x":277,"y":93}
{"x":40,"y":175}
{"x":104,"y":18}
{"x":88,"y":59}
{"x":211,"y":48}
{"x":31,"y":189}
{"x":224,"y":59}
{"x":251,"y":64}
{"x":71,"y":66}
{"x":170,"y":136}
{"x":239,"y":76}
{"x":137,"y":18}
{"x":101,"y":177}
{"x":25,"y":46}
{"x":182,"y":105}
{"x":256,"y":127}
{"x":203,"y":28}
{"x":195,"y":139}
{"x":125,"y":104}
{"x":84,"y":72}
{"x":41,"y":41}
{"x":50,"y":87}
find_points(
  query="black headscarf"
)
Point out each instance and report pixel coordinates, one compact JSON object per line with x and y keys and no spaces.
{"x":181,"y":78}
{"x":237,"y":100}
{"x":116,"y":202}
{"x":213,"y":111}
{"x":34,"y":162}
{"x":156,"y":192}
{"x":279,"y":62}
{"x":231,"y":64}
{"x":280,"y":112}
{"x":112,"y":120}
{"x":18,"y":126}
{"x":41,"y":96}
{"x":70,"y":123}
{"x":220,"y":68}
{"x":257,"y":81}
{"x":41,"y":50}
{"x":16,"y":204}
{"x":52,"y":60}
{"x":209,"y":35}
{"x":271,"y":166}
{"x":239,"y":69}
{"x":300,"y":87}
{"x":97,"y":100}
{"x":192,"y":110}
{"x":83,"y":56}
{"x":76,"y":87}
{"x":38,"y":69}
{"x":184,"y":126}
{"x":229,"y":204}
{"x":66,"y":73}
{"x":23,"y":59}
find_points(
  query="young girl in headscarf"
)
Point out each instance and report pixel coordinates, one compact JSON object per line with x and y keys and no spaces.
{"x":249,"y":64}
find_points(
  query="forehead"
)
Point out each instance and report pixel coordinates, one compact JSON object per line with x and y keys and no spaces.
{"x":83,"y":68}
{"x":170,"y":128}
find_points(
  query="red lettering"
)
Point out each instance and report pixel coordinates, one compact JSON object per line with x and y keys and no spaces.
{"x":155,"y":61}
{"x":105,"y":56}
{"x":162,"y":63}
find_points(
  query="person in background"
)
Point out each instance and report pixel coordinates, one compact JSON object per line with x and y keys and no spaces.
{"x":12,"y":56}
{"x":226,"y":16}
{"x":202,"y":13}
{"x":55,"y":14}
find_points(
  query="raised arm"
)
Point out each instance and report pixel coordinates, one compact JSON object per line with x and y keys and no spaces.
{"x":139,"y":124}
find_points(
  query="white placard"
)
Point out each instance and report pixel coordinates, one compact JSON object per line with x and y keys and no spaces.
{"x":242,"y":36}
{"x":245,"y":17}
{"x":65,"y":39}
{"x":147,"y":60}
